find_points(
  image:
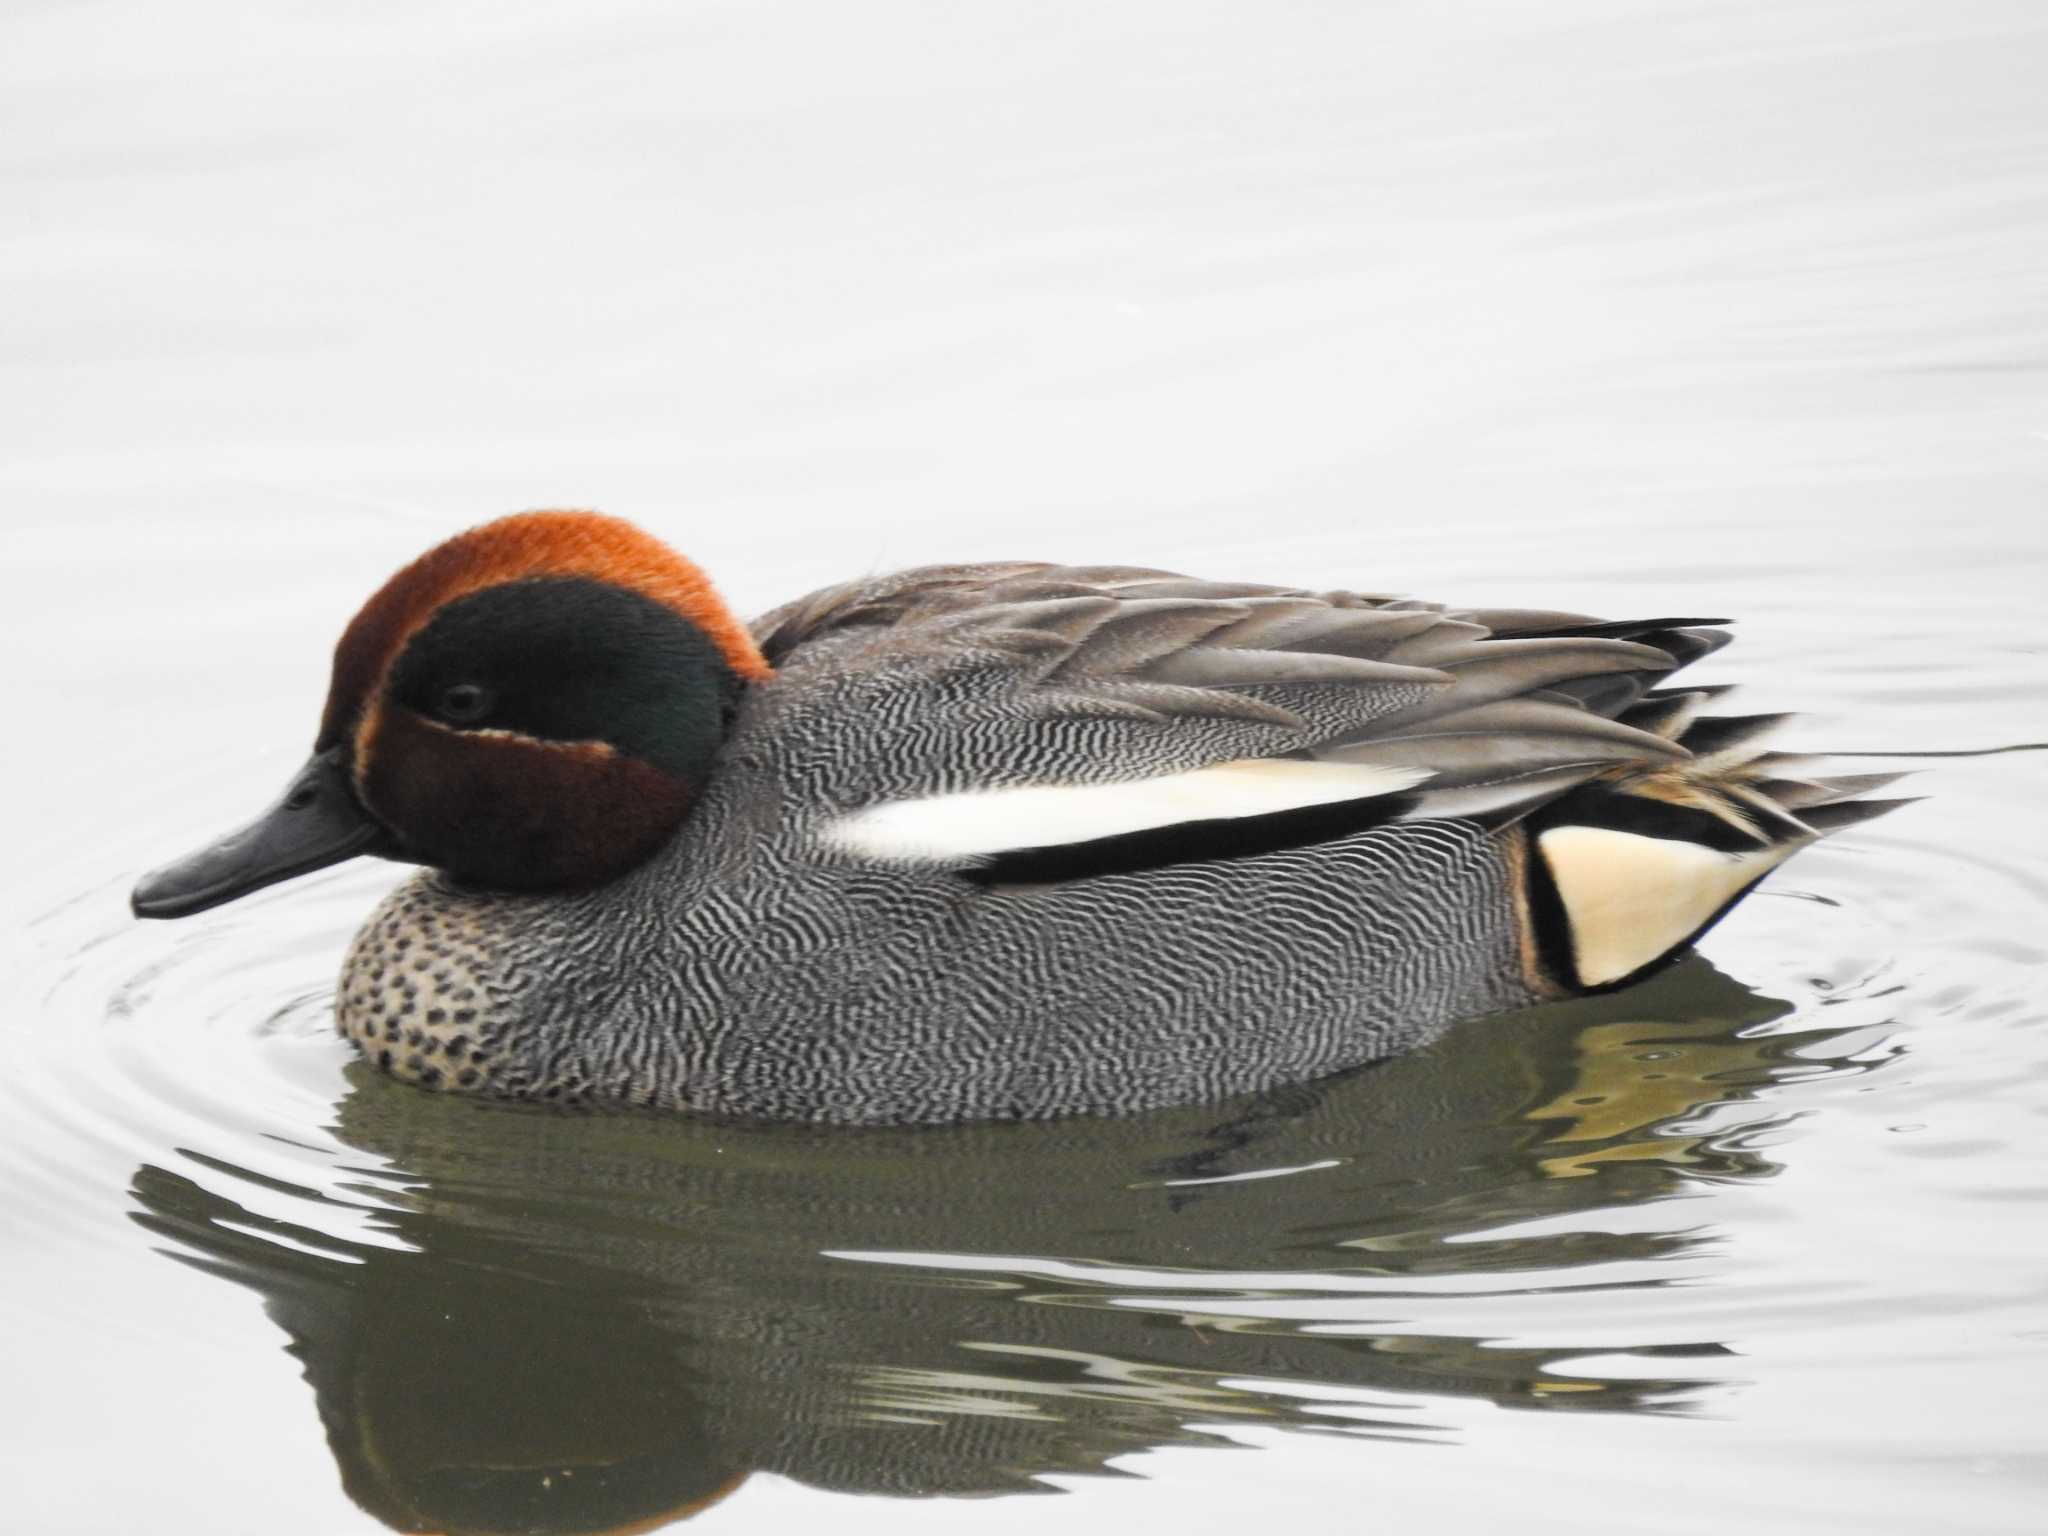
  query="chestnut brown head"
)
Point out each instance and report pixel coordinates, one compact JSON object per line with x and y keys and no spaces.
{"x":533,"y":705}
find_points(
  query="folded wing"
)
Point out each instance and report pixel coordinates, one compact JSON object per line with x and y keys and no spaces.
{"x":1038,"y":721}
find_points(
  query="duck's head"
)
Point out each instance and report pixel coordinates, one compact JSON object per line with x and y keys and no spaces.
{"x":533,"y":705}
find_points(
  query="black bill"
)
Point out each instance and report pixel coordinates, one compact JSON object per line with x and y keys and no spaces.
{"x":317,"y":822}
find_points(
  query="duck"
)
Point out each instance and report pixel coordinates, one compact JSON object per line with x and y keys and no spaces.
{"x":997,"y":841}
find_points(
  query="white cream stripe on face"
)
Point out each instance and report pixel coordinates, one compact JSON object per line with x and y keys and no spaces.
{"x":977,"y":823}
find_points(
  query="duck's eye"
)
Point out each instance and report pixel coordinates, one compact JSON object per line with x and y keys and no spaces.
{"x":464,"y":703}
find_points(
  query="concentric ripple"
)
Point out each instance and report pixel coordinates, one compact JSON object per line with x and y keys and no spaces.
{"x":213,"y":1040}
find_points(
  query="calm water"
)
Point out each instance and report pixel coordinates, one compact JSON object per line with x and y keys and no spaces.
{"x":1627,"y":307}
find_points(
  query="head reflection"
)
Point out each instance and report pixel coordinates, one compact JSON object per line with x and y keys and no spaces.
{"x":605,"y":1322}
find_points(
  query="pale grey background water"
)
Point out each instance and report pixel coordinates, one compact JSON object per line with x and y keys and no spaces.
{"x":1625,"y":306}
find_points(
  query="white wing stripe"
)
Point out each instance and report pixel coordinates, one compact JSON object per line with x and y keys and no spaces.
{"x":945,"y":828}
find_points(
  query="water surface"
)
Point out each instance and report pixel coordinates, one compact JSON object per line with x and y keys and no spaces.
{"x":1614,"y":306}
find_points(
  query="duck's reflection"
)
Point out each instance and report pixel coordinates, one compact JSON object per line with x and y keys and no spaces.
{"x":605,"y":1321}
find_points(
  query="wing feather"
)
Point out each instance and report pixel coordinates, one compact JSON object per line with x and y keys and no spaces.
{"x":958,"y":712}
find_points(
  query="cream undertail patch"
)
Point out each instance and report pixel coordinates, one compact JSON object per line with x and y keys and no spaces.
{"x":1629,"y":899}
